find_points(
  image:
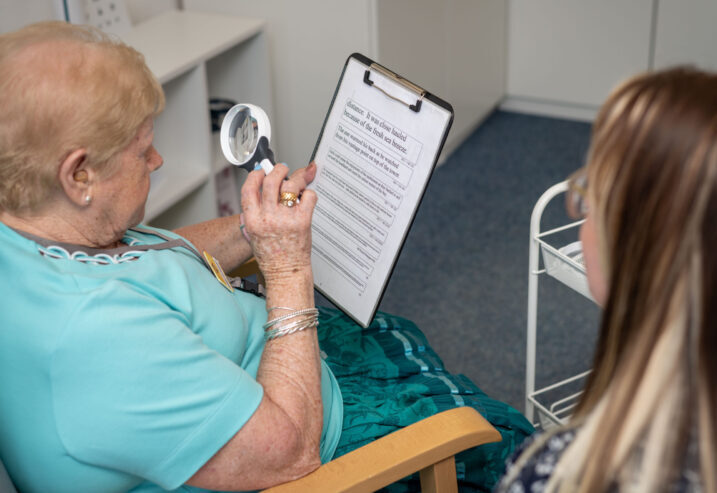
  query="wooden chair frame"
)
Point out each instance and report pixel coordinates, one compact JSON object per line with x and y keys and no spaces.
{"x":428,"y":446}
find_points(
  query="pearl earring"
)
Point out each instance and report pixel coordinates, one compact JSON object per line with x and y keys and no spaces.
{"x":88,"y":199}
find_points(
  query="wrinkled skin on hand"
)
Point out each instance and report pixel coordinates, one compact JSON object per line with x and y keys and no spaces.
{"x":280,"y":235}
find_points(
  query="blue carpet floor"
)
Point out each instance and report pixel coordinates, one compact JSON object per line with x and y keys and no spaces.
{"x":463,"y":273}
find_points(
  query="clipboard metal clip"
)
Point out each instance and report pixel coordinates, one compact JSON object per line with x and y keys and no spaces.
{"x":399,"y":80}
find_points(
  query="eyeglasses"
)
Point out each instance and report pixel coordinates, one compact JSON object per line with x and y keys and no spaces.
{"x":576,"y":202}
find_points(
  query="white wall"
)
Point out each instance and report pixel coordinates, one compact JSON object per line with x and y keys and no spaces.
{"x":306,"y":60}
{"x":572,"y":52}
{"x":564,"y":56}
{"x":453,"y":48}
{"x":685,"y":33}
{"x":15,"y":14}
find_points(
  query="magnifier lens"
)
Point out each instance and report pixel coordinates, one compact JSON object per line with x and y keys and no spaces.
{"x":243,"y":135}
{"x":243,"y":128}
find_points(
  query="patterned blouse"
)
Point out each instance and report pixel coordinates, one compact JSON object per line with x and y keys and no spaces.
{"x":536,"y":472}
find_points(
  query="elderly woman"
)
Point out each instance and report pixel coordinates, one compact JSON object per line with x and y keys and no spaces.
{"x":98,"y":301}
{"x":648,"y":418}
{"x":126,"y":362}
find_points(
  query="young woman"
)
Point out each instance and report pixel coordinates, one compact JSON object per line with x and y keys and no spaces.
{"x":647,"y":419}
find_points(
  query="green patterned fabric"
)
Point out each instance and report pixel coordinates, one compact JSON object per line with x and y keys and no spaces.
{"x":390,"y":378}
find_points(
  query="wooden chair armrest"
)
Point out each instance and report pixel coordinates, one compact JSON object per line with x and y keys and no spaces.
{"x":427,"y":446}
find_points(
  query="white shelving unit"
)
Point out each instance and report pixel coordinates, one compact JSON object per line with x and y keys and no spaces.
{"x":554,"y":402}
{"x":197,"y":56}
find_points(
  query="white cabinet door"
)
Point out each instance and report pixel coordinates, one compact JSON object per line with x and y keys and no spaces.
{"x":575,"y":51}
{"x":686,"y":33}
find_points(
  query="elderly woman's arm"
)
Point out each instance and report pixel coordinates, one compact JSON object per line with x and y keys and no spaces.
{"x":281,"y":440}
{"x":222,"y":237}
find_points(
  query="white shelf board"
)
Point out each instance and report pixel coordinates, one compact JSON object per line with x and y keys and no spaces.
{"x":177,"y":41}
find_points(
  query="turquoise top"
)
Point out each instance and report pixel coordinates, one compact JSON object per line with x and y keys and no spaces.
{"x":124,"y":370}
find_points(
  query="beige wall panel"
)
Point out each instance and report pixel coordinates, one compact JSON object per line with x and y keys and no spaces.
{"x":412,"y":41}
{"x":455,"y":49}
{"x":575,"y":51}
{"x":476,"y":61}
{"x":140,"y":10}
{"x":686,"y":33}
{"x":15,"y":13}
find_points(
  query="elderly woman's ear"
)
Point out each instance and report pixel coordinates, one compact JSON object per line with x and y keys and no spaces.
{"x":76,"y":177}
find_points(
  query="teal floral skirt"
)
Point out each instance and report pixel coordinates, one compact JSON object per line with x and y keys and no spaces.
{"x":390,"y":378}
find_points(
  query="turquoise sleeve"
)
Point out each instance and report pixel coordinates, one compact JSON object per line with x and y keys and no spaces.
{"x":135,"y":390}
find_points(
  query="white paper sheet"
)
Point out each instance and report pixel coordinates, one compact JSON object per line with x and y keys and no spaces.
{"x":374,"y":160}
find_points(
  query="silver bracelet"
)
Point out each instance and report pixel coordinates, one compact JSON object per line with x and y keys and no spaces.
{"x":313,"y":311}
{"x":269,"y":310}
{"x":291,"y":328}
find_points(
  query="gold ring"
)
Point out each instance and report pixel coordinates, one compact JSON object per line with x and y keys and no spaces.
{"x":289,"y":199}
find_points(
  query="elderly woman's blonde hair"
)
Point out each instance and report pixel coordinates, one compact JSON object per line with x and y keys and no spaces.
{"x":65,"y":87}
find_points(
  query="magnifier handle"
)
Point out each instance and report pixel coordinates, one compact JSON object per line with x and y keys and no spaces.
{"x":266,"y":165}
{"x":264,"y":155}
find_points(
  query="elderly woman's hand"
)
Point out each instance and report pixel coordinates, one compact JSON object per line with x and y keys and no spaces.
{"x":280,"y":235}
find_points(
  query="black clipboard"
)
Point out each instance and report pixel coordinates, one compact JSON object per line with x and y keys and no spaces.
{"x":371,"y":180}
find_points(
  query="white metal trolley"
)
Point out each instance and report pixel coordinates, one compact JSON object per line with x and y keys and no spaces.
{"x":554,"y":402}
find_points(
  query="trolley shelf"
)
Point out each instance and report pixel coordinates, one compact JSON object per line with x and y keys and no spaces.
{"x":554,"y":403}
{"x":565,"y":264}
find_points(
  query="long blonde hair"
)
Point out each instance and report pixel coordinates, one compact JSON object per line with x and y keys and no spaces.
{"x":652,"y":174}
{"x":65,"y":87}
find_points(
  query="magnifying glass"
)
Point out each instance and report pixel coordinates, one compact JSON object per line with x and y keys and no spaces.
{"x":245,"y":136}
